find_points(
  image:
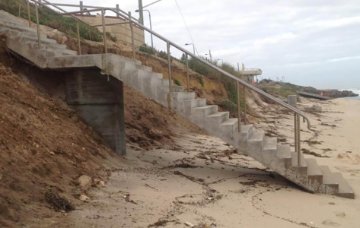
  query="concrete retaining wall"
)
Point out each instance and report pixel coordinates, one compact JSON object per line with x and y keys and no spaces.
{"x":100,"y":102}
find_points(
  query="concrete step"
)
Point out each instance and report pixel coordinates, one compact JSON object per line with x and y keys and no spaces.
{"x":255,"y":144}
{"x":198,"y":102}
{"x":313,"y":167}
{"x":228,"y":131}
{"x":269,"y":150}
{"x":294,"y":160}
{"x":284,"y":151}
{"x":257,"y":135}
{"x":205,"y":110}
{"x":345,"y":190}
{"x":314,"y":174}
{"x":16,"y":27}
{"x":176,"y":88}
{"x":198,"y":115}
{"x":270,"y":144}
{"x":218,"y":118}
{"x":180,"y":96}
{"x":331,"y":185}
{"x":246,"y":131}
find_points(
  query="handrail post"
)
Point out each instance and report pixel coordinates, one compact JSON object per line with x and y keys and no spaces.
{"x":132,"y":36}
{"x":117,"y":10}
{"x":244,"y":92}
{"x":238,"y":104}
{"x":81,"y":7}
{"x":37,"y":23}
{"x":78,"y":37}
{"x":244,"y":95}
{"x":28,"y":12}
{"x":170,"y":75}
{"x":187,"y":72}
{"x":105,"y":41}
{"x":19,"y":10}
{"x":297,"y":138}
{"x":104,"y":29}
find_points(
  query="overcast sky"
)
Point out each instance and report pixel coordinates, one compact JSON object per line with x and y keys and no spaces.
{"x":307,"y":42}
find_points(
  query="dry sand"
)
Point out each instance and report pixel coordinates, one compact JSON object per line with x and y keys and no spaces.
{"x":203,"y":183}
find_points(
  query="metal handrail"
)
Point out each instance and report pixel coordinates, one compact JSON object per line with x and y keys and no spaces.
{"x":242,"y":82}
{"x":131,"y":22}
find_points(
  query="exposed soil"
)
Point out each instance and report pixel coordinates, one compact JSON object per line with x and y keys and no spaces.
{"x":150,"y":125}
{"x":44,"y":145}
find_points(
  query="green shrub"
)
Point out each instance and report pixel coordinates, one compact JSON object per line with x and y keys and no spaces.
{"x":147,"y":49}
{"x":52,"y":19}
{"x":177,"y":82}
{"x":163,"y":54}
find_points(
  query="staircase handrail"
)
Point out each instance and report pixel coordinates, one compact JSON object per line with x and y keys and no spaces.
{"x":127,"y":17}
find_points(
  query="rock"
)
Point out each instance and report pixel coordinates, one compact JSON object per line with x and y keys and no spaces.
{"x":314,"y":108}
{"x":98,"y":183}
{"x":341,"y":214}
{"x":328,"y":222}
{"x":58,"y":202}
{"x":85,"y":182}
{"x":84,"y":198}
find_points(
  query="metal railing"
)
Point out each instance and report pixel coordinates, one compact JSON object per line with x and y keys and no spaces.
{"x":134,"y":23}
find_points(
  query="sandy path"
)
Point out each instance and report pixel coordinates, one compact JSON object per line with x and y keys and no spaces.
{"x":203,"y":183}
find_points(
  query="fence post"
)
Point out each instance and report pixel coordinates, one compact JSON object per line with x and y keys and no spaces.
{"x":132,"y":36}
{"x":37,"y":23}
{"x":187,"y":73}
{"x":28,"y":12}
{"x":170,"y":75}
{"x":78,"y":37}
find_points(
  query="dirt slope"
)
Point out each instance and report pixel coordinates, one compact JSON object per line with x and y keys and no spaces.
{"x":43,"y":145}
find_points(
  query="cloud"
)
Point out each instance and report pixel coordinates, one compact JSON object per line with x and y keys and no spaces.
{"x":282,"y":37}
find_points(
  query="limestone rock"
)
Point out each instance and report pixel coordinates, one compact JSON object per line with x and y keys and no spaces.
{"x":85,"y":182}
{"x":84,"y":198}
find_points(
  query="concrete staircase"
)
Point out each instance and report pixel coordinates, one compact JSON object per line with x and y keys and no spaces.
{"x":22,"y":40}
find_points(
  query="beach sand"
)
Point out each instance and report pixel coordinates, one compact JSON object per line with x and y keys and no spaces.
{"x":203,"y":183}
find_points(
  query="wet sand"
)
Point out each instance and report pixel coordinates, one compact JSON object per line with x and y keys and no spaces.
{"x":203,"y":183}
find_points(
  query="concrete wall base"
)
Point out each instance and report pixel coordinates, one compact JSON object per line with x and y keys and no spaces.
{"x":99,"y":100}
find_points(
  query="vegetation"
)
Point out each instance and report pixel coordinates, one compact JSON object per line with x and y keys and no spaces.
{"x":177,"y":82}
{"x":209,"y":72}
{"x":52,"y":19}
{"x":147,"y":49}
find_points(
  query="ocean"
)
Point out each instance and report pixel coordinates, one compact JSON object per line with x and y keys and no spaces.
{"x":357,"y":91}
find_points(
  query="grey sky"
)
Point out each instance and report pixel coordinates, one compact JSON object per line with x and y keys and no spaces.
{"x":308,"y":42}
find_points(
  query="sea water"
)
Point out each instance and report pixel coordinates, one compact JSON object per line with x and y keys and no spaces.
{"x":357,"y":91}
